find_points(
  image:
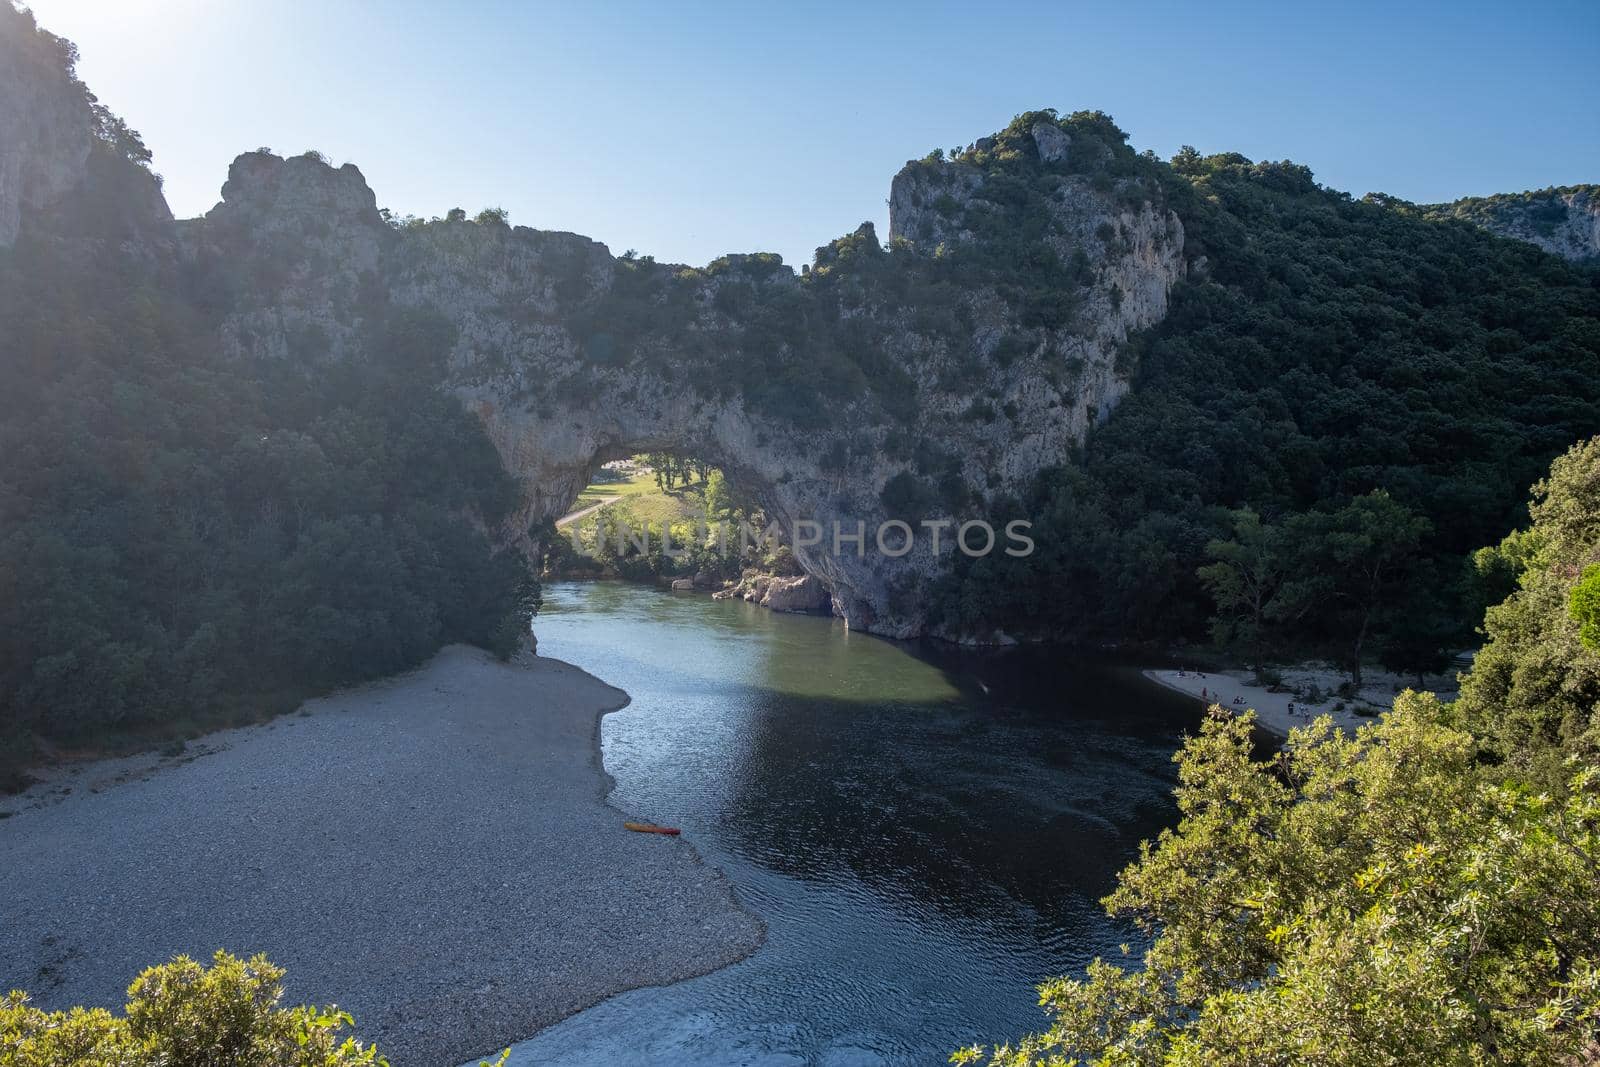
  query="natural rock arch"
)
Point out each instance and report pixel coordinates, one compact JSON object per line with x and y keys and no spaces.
{"x":814,"y":392}
{"x":934,"y":378}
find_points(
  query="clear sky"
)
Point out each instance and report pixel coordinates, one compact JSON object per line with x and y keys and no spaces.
{"x":687,"y":130}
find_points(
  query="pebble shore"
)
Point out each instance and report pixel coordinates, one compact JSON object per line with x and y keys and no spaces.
{"x":434,"y":853}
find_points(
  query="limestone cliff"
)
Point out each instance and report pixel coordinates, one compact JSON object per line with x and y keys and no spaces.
{"x":929,"y":379}
{"x":1563,"y":221}
{"x":45,"y":124}
{"x":67,"y":165}
{"x":814,"y":393}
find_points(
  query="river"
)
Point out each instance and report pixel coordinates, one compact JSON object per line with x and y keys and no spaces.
{"x":925,"y":832}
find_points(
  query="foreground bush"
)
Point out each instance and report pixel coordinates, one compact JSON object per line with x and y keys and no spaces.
{"x":182,"y":1014}
{"x":1533,"y":694}
{"x":1379,"y":899}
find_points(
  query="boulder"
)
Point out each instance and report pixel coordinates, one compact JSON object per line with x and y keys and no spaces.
{"x":804,"y":593}
{"x":680,"y":584}
{"x":1052,"y":141}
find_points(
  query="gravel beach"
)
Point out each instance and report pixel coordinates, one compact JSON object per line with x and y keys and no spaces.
{"x":1238,"y":691}
{"x":433,"y":853}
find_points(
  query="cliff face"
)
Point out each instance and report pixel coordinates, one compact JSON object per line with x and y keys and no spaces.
{"x":926,"y":381}
{"x":1564,"y":221}
{"x":572,"y":357}
{"x":64,"y":166}
{"x":45,"y":124}
{"x":300,"y":246}
{"x":916,"y":383}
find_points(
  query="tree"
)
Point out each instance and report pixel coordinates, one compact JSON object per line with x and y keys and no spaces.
{"x":664,"y":465}
{"x":1373,"y":899}
{"x":1417,"y":643}
{"x":1584,"y":604}
{"x":1534,"y":689}
{"x":1422,"y":627}
{"x":718,"y":501}
{"x":1360,"y":553}
{"x":1245,"y":578}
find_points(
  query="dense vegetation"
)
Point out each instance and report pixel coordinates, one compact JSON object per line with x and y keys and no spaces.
{"x":187,"y":539}
{"x":1327,"y":359}
{"x":1535,"y":685}
{"x":1423,"y":892}
{"x":1326,"y":349}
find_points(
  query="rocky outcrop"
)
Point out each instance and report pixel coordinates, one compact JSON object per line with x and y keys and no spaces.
{"x":46,"y":126}
{"x":68,"y":167}
{"x":803,"y":594}
{"x":1564,"y":221}
{"x":925,"y":383}
{"x":572,"y":357}
{"x":310,"y":242}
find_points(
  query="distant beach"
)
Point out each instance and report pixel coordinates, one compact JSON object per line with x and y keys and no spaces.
{"x":434,"y":853}
{"x":1283,"y":707}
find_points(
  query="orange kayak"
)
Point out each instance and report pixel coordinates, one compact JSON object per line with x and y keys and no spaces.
{"x":651,"y":828}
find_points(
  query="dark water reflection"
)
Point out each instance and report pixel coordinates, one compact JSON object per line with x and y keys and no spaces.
{"x":926,"y":833}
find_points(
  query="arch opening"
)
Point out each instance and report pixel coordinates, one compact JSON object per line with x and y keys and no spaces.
{"x":668,"y":516}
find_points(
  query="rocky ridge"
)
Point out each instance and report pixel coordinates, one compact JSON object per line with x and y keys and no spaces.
{"x":923,"y":381}
{"x":537,"y":351}
{"x":1562,"y":221}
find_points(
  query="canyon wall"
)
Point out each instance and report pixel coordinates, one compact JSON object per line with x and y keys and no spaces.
{"x":1562,"y":221}
{"x":926,"y":380}
{"x":970,"y":399}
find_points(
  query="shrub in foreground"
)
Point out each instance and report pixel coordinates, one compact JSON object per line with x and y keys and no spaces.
{"x":1374,"y":899}
{"x":182,"y":1014}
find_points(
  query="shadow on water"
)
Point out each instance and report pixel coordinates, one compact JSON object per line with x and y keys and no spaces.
{"x":926,"y":832}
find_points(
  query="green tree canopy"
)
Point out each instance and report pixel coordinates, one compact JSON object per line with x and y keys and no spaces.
{"x":1585,"y":607}
{"x":1358,"y":556}
{"x":1249,"y":578}
{"x":1369,"y":899}
{"x":1534,"y":689}
{"x":182,"y":1014}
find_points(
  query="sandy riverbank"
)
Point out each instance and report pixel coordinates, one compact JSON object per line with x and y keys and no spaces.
{"x":434,"y":853}
{"x":1235,"y":689}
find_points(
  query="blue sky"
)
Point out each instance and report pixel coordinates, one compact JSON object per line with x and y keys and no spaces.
{"x":689,"y":130}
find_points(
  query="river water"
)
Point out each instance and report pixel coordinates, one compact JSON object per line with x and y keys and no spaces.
{"x":926,"y":833}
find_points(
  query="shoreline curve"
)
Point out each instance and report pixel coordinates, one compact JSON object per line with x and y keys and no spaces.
{"x":428,"y":851}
